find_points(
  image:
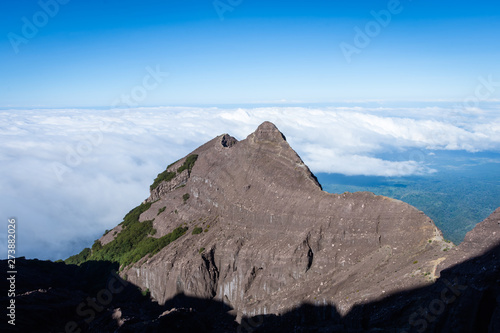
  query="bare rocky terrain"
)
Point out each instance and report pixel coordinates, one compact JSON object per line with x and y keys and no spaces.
{"x":266,"y":249}
{"x":276,"y":239}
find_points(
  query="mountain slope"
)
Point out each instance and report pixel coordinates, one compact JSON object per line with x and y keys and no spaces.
{"x":271,"y":238}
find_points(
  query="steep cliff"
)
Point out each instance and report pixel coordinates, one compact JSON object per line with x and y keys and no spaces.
{"x":272,"y":238}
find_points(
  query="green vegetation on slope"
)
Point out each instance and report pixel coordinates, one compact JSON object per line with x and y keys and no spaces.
{"x":188,"y":164}
{"x":150,"y":246}
{"x":161,"y":210}
{"x":197,"y":230}
{"x":169,"y":175}
{"x":78,"y":258}
{"x":131,"y":244}
{"x":135,"y":241}
{"x":164,"y":176}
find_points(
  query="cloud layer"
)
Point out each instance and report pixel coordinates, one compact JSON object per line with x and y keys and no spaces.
{"x":67,"y":175}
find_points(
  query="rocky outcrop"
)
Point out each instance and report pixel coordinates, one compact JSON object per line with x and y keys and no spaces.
{"x":483,"y":238}
{"x":273,"y":239}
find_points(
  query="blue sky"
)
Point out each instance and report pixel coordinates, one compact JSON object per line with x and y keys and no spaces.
{"x":91,"y":52}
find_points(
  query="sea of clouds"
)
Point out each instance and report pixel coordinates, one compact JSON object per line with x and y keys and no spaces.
{"x":69,"y":174}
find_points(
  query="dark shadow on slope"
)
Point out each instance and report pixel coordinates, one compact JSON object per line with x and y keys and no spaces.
{"x":54,"y":297}
{"x":92,"y":297}
{"x":465,"y":298}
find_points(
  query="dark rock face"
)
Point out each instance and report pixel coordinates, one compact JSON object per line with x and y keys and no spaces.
{"x":278,"y":254}
{"x":54,"y":297}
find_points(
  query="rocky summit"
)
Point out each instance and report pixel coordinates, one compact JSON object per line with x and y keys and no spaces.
{"x":239,"y":235}
{"x":272,"y":239}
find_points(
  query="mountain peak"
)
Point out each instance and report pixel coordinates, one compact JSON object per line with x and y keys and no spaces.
{"x":256,"y":210}
{"x":267,"y":131}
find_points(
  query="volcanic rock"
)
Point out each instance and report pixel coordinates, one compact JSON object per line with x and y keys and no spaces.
{"x":273,"y":239}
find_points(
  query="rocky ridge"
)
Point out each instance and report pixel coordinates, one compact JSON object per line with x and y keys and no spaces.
{"x":273,"y":239}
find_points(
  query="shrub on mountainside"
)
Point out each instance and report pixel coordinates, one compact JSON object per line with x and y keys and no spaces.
{"x":164,"y":176}
{"x":188,"y":164}
{"x":161,"y":210}
{"x":197,"y":230}
{"x":131,"y":244}
{"x":169,"y":175}
{"x":78,"y":258}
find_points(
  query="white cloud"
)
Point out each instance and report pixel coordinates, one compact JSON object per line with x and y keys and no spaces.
{"x":107,"y":159}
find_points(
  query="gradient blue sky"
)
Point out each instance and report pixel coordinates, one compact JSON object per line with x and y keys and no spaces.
{"x":91,"y":52}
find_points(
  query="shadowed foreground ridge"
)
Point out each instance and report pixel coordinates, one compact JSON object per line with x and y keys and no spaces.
{"x":241,"y":230}
{"x":466,"y":298}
